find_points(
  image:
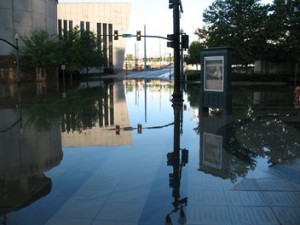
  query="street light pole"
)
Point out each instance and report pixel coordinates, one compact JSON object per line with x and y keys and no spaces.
{"x":176,"y":35}
{"x":17,"y":54}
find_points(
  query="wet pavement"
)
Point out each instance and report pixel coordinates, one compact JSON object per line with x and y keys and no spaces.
{"x":122,"y":152}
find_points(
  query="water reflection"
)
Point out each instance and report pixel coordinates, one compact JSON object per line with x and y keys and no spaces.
{"x":230,"y":145}
{"x":132,"y":173}
{"x":26,"y":153}
{"x":90,"y":116}
{"x":177,"y":159}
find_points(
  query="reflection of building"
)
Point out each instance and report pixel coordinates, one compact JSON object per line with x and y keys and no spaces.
{"x":113,"y":111}
{"x":25,"y":154}
{"x":102,"y":19}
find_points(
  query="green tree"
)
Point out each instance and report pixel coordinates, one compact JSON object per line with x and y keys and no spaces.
{"x":79,"y":49}
{"x":129,"y":57}
{"x":69,"y":49}
{"x":284,"y":31}
{"x":39,"y":51}
{"x":89,"y":54}
{"x":238,"y":24}
{"x":194,"y":53}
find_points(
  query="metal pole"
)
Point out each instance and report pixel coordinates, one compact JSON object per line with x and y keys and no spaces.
{"x":176,"y":32}
{"x":181,"y":59}
{"x":18,"y":61}
{"x":145,"y":49}
{"x":296,"y":71}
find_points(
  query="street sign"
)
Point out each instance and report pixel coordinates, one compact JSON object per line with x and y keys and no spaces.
{"x":126,"y":35}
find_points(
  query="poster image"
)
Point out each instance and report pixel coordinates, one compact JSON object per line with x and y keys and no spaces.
{"x":214,"y":73}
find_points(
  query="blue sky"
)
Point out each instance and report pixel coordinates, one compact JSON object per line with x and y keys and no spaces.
{"x":158,"y":18}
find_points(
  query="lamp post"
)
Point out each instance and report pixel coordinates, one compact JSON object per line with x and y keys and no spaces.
{"x":16,"y":47}
{"x":176,"y":32}
{"x":63,"y":67}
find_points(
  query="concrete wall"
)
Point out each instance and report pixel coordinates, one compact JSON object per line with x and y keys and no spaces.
{"x":117,"y":14}
{"x":23,"y":16}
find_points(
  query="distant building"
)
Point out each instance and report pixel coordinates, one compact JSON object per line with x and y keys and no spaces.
{"x":102,"y":18}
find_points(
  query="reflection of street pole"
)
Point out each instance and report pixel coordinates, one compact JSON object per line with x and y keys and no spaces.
{"x":63,"y":67}
{"x":18,"y":61}
{"x":126,"y":66}
{"x":296,"y":71}
{"x":177,"y":163}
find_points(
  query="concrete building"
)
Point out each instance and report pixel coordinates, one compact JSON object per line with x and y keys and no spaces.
{"x":101,"y":18}
{"x":22,"y":16}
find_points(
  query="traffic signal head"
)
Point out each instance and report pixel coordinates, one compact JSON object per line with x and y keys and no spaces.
{"x":139,"y":128}
{"x":116,"y":35}
{"x":171,"y":4}
{"x":138,"y":35}
{"x":185,"y":41}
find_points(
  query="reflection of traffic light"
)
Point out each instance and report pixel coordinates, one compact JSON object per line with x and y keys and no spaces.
{"x":139,"y":128}
{"x":117,"y":129}
{"x":170,"y":159}
{"x":184,"y":156}
{"x":116,"y":35}
{"x":138,"y":35}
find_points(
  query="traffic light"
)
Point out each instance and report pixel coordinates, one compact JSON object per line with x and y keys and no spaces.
{"x":138,"y":35}
{"x":171,"y":4}
{"x":116,"y":35}
{"x":185,"y":41}
{"x":170,"y":43}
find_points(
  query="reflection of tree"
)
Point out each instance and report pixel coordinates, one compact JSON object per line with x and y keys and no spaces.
{"x":77,"y":112}
{"x":193,"y":92}
{"x":270,"y":136}
{"x":274,"y":136}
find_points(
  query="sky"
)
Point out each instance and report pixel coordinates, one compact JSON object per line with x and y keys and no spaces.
{"x":156,"y":18}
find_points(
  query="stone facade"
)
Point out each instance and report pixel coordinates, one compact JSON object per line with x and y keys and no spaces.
{"x":102,"y":18}
{"x":22,"y":16}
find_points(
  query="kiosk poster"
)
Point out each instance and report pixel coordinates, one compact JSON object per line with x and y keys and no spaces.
{"x":214,"y":73}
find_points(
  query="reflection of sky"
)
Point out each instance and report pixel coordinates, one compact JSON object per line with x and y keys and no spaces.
{"x":155,"y":111}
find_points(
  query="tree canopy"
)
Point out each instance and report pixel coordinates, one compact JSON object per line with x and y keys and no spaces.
{"x":75,"y":48}
{"x":253,"y":30}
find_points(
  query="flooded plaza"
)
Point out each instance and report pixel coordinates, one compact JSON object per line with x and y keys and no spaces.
{"x":123,"y":152}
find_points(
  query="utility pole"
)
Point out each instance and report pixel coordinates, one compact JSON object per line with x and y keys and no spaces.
{"x":176,"y":36}
{"x":145,"y":49}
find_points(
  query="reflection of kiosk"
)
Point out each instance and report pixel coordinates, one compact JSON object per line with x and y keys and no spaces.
{"x":212,"y":150}
{"x":216,"y":79}
{"x":213,"y":141}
